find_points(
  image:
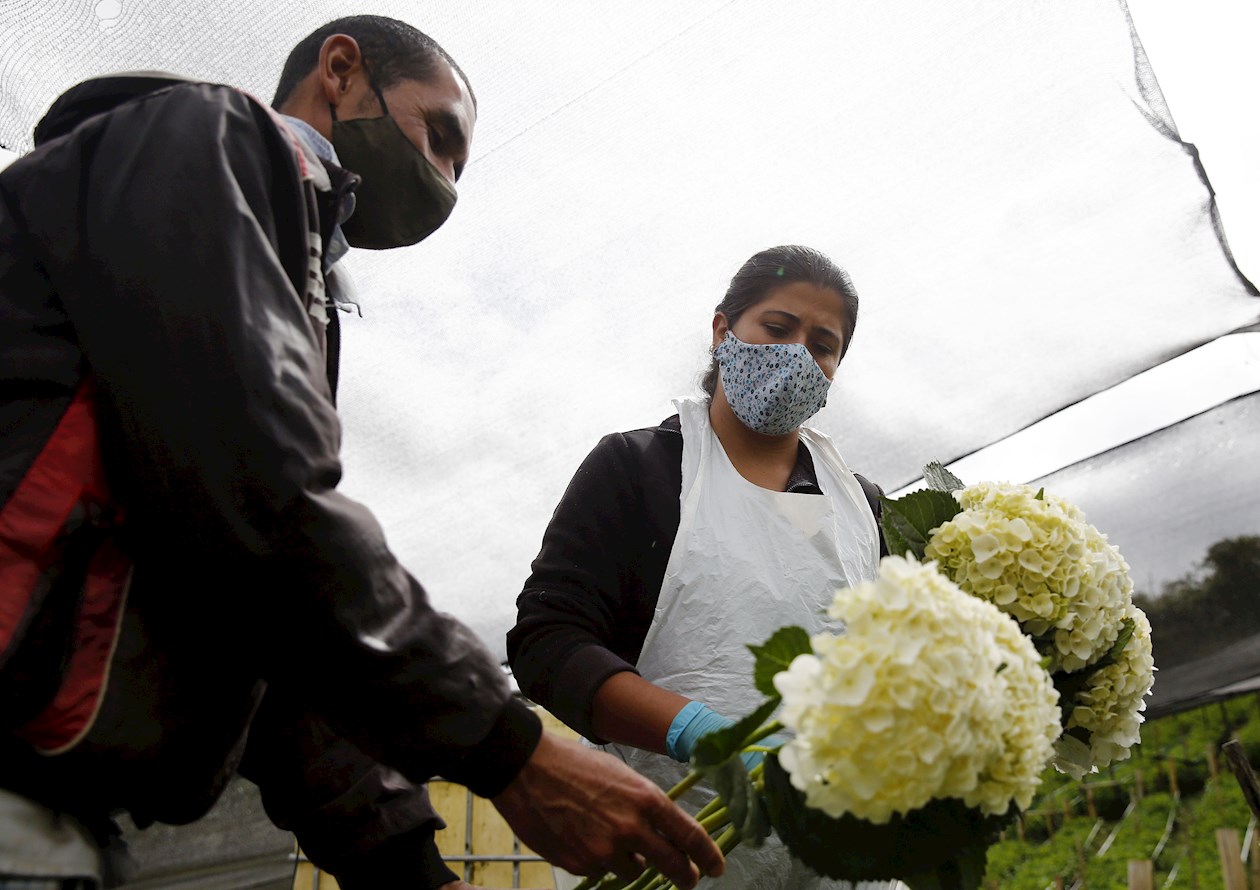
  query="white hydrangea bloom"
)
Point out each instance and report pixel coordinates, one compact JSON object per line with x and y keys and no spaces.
{"x":928,"y":693}
{"x":1038,"y":560}
{"x":1110,"y":706}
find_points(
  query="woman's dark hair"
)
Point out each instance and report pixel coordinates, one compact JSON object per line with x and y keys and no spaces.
{"x":392,"y":50}
{"x":772,"y":268}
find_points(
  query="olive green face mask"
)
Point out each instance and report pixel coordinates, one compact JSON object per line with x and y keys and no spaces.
{"x":403,"y":198}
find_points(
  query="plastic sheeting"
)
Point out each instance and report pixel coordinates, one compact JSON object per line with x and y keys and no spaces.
{"x":1002,"y":178}
{"x":1164,"y":499}
{"x":1233,"y":671}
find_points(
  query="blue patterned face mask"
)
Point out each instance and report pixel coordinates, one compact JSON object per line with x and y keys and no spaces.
{"x":772,"y":387}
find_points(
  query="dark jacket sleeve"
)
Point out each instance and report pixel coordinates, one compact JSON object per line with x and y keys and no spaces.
{"x":874,"y":492}
{"x":175,"y":231}
{"x":356,"y":819}
{"x":587,"y":606}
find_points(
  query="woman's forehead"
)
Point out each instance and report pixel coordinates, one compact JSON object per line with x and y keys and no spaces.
{"x":795,"y":297}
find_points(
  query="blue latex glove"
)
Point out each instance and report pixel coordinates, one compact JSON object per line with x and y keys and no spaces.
{"x":693,"y":722}
{"x":697,"y":720}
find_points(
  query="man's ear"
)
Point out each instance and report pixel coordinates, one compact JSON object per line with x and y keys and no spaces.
{"x":340,"y":64}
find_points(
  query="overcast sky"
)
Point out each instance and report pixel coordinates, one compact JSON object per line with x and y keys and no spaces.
{"x":1203,"y":55}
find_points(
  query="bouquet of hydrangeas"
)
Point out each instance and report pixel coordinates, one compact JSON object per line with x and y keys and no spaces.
{"x":919,"y":732}
{"x":922,"y":728}
{"x":1034,"y":556}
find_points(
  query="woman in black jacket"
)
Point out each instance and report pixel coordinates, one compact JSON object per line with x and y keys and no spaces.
{"x":676,"y":546}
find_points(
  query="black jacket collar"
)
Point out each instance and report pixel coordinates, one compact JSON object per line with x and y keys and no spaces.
{"x":97,"y":96}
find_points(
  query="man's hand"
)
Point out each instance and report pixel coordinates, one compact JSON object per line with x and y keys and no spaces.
{"x":460,"y":885}
{"x":589,"y":813}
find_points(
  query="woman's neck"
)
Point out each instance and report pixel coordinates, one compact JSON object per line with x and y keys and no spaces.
{"x":763,"y":460}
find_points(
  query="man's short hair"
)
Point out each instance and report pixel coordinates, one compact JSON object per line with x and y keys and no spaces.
{"x":393,"y":51}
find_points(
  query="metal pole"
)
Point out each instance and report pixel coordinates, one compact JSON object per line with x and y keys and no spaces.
{"x":468,"y":838}
{"x":516,"y":863}
{"x":1246,"y":777}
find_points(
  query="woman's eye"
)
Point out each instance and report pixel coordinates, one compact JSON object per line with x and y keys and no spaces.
{"x":777,"y":330}
{"x":824,"y":348}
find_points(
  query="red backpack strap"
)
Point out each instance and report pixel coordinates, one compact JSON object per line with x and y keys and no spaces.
{"x":65,"y":481}
{"x":67,"y":719}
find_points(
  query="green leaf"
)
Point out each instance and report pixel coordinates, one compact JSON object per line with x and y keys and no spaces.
{"x":1127,"y":627}
{"x":717,"y":747}
{"x":747,"y":812}
{"x":916,"y":846}
{"x":908,"y":521}
{"x":897,"y":543}
{"x":775,"y":654}
{"x":940,"y":479}
{"x":1041,"y":494}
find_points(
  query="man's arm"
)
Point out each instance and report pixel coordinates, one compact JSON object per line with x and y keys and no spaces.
{"x":185,"y":283}
{"x":353,"y":817}
{"x":183,"y":272}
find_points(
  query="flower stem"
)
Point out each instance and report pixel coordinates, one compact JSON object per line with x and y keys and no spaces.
{"x":715,"y":820}
{"x":768,"y":730}
{"x":726,"y":841}
{"x":603,"y":882}
{"x":710,"y":808}
{"x":645,"y":880}
{"x":712,"y":816}
{"x":660,"y":882}
{"x":689,"y":781}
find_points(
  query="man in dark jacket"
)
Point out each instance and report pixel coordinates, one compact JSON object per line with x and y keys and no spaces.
{"x":172,"y":542}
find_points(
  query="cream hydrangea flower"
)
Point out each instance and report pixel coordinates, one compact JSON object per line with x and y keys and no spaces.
{"x":1038,"y":560}
{"x":1110,"y":706}
{"x":928,"y":693}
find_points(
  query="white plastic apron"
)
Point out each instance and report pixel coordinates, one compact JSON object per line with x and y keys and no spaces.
{"x":745,"y":562}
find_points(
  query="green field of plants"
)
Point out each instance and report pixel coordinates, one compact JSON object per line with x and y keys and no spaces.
{"x":1163,"y":804}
